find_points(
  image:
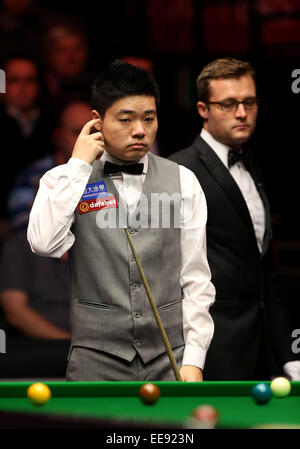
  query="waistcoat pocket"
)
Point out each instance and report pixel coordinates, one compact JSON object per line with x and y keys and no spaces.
{"x":87,"y":302}
{"x":170,"y":304}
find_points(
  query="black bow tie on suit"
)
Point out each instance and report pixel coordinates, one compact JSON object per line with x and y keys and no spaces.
{"x":236,"y":156}
{"x":134,"y":169}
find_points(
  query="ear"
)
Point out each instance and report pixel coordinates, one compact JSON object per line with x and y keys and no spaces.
{"x":95,"y":114}
{"x":202,"y":109}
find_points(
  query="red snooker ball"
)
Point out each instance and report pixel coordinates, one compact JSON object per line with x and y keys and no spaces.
{"x":149,"y":393}
{"x":206,"y":414}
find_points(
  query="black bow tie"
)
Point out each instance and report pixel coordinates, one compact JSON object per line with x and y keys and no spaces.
{"x":236,"y":156}
{"x":134,"y":169}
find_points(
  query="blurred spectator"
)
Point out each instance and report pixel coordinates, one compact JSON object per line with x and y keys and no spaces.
{"x":8,"y":131}
{"x":35,"y":294}
{"x":25,"y":127}
{"x":22,"y":103}
{"x":67,"y":77}
{"x":22,"y":24}
{"x":20,"y":199}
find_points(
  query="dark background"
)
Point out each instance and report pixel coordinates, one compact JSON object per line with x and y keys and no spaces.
{"x":180,"y":36}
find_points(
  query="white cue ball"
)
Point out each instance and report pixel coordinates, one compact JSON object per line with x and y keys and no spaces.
{"x":281,"y":387}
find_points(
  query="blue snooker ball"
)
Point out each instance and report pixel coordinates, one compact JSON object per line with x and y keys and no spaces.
{"x":261,"y":393}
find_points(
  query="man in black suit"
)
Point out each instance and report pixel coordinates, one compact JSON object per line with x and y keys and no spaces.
{"x":251,"y":320}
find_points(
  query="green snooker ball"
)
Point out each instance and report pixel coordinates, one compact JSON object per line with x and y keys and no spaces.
{"x":281,"y":387}
{"x":261,"y":393}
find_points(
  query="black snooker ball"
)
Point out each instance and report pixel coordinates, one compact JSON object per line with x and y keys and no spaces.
{"x":149,"y":393}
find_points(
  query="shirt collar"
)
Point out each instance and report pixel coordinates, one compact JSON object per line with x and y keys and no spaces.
{"x":219,"y":148}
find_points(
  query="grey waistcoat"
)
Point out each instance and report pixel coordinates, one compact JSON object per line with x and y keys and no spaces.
{"x":111,"y":311}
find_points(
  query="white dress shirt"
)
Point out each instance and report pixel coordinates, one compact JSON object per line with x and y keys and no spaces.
{"x":256,"y":209}
{"x":52,"y":216}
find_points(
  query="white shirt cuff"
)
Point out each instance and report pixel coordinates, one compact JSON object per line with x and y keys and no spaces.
{"x":194,"y":356}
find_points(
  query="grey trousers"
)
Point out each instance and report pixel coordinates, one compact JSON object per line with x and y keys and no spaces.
{"x":87,"y":364}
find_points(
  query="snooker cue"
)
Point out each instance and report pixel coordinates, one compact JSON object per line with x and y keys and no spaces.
{"x":155,"y":311}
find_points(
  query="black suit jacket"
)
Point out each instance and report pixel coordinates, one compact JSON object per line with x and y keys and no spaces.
{"x":248,"y":309}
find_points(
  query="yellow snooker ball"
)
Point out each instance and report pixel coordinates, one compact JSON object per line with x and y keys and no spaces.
{"x":281,"y":387}
{"x":38,"y":393}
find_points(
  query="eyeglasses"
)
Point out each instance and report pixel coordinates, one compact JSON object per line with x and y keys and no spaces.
{"x":232,"y":105}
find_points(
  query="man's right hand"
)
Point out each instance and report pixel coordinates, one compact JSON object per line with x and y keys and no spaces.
{"x":89,"y":147}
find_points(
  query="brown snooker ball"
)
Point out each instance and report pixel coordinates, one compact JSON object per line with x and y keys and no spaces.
{"x":149,"y":393}
{"x":206,"y":414}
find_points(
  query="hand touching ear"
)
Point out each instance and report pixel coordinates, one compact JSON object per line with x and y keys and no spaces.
{"x":89,"y":146}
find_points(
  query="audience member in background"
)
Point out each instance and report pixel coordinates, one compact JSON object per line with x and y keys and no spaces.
{"x":34,"y":292}
{"x":22,"y":103}
{"x":8,"y":130}
{"x":22,"y":24}
{"x":72,"y":118}
{"x":25,"y":126}
{"x":67,"y":76}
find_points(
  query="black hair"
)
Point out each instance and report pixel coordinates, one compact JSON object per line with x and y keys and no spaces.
{"x":118,"y":80}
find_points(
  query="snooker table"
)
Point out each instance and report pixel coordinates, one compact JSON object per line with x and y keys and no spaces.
{"x":117,"y":404}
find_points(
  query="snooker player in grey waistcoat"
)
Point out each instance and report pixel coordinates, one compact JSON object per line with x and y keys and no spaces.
{"x":111,"y":182}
